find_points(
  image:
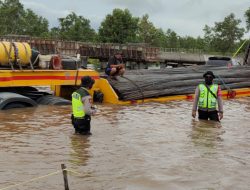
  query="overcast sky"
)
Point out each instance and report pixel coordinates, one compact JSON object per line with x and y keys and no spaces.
{"x":185,"y":17}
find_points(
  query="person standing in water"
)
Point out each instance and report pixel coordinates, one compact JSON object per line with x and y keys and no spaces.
{"x":207,"y":98}
{"x":82,"y":107}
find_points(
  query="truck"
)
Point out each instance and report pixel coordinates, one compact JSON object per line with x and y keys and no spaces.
{"x":23,"y":74}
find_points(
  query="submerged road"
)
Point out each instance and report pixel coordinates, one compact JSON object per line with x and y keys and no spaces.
{"x":147,"y":146}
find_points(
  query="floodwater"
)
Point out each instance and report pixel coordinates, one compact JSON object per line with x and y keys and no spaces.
{"x":136,"y":147}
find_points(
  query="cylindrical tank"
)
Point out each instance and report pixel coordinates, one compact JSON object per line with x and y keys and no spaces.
{"x":6,"y":52}
{"x":15,"y":51}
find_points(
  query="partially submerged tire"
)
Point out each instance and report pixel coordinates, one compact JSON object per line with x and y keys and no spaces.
{"x":10,"y":100}
{"x":53,"y":100}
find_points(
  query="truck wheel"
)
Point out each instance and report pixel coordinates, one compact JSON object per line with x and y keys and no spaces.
{"x":15,"y":105}
{"x":53,"y":100}
{"x":9,"y":100}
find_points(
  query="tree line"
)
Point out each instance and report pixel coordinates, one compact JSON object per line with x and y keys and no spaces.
{"x":121,"y":26}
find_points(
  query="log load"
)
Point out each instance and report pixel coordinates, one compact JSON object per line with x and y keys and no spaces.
{"x":141,"y":84}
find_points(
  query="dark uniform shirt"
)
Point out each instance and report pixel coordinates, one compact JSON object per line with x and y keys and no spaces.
{"x":114,"y":61}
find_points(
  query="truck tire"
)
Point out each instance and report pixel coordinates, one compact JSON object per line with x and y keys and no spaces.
{"x":53,"y":100}
{"x":15,"y":105}
{"x":10,"y":100}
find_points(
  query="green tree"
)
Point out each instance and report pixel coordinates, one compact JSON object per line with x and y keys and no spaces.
{"x":200,"y":43}
{"x":148,"y":33}
{"x":159,"y":38}
{"x":208,"y":37}
{"x":119,"y":27}
{"x":14,"y":19}
{"x":188,"y":42}
{"x":172,"y":39}
{"x":54,"y":33}
{"x":146,"y":30}
{"x":75,"y":28}
{"x":192,"y":44}
{"x":11,"y":17}
{"x":224,"y":35}
{"x":247,"y":16}
{"x":35,"y":25}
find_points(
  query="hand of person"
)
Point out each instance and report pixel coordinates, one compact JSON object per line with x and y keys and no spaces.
{"x":94,"y":109}
{"x":193,"y":113}
{"x":220,"y":115}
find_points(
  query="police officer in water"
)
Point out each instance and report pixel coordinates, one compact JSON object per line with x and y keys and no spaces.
{"x":82,"y":107}
{"x":208,"y":97}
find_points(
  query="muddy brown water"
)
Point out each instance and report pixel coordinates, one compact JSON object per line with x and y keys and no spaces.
{"x":147,"y":146}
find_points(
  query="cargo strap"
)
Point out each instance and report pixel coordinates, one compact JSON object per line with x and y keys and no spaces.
{"x":26,"y":52}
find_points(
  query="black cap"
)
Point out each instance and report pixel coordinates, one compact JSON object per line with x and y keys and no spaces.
{"x":87,"y":81}
{"x":208,"y":73}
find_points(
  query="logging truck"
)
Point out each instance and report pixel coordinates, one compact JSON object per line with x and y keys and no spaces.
{"x":23,"y":73}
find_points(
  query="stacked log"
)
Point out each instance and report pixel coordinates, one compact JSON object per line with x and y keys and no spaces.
{"x":142,"y":84}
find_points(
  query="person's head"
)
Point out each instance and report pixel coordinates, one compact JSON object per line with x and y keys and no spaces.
{"x":209,"y":77}
{"x":118,"y":55}
{"x":87,"y":82}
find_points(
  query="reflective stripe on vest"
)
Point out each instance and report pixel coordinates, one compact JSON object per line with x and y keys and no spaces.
{"x":206,"y":99}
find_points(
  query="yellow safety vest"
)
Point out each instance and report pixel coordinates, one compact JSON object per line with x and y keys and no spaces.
{"x":77,"y":105}
{"x":206,"y":99}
